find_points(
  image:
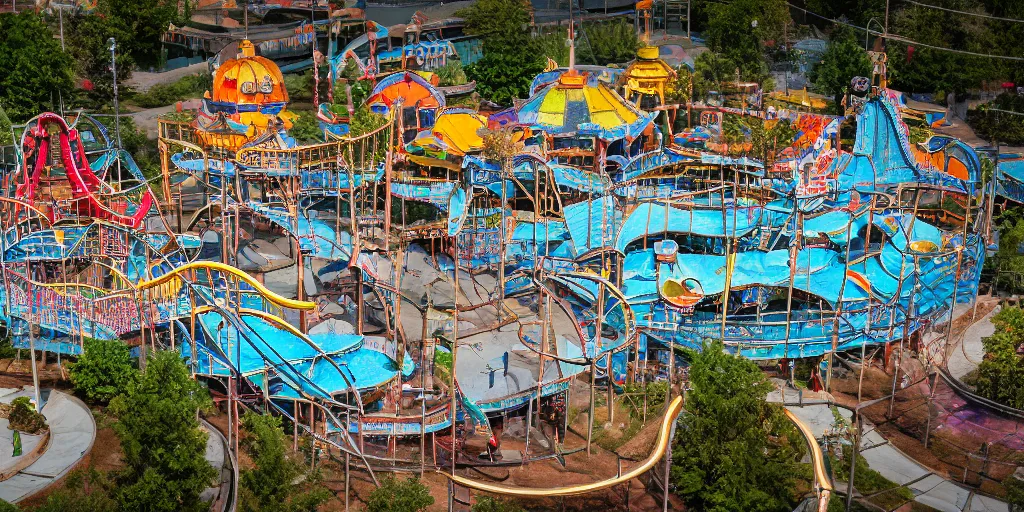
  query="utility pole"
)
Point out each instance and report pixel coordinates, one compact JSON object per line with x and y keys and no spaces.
{"x":112,"y":46}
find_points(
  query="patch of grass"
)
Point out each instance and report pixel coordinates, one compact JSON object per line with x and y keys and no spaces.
{"x":868,"y":481}
{"x":191,"y":86}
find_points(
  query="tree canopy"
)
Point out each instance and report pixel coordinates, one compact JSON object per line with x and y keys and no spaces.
{"x":844,"y":59}
{"x":35,"y":69}
{"x":740,"y":29}
{"x":103,"y":371}
{"x":162,"y":444}
{"x":733,"y":450}
{"x":509,"y":62}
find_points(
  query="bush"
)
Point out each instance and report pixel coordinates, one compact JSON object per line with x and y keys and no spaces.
{"x":868,"y":481}
{"x":1001,"y":373}
{"x":84,"y":491}
{"x":103,"y":371}
{"x":451,"y":74}
{"x":395,"y":495}
{"x":24,"y":418}
{"x":1015,"y":491}
{"x":268,"y":487}
{"x":191,"y":86}
{"x":1008,"y":128}
{"x":306,"y":128}
{"x":489,"y":504}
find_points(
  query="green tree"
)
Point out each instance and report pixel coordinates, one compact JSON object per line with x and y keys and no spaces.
{"x":1001,"y":373}
{"x":35,"y":70}
{"x":1008,"y":260}
{"x":859,"y":12}
{"x":768,"y":138}
{"x":610,"y":42}
{"x":103,"y":371}
{"x":396,"y":495}
{"x":306,"y":128}
{"x":162,"y":444}
{"x":144,"y":22}
{"x":710,"y":72}
{"x":510,"y":58}
{"x":739,"y":30}
{"x":913,"y":68}
{"x":843,"y":59}
{"x":733,"y":450}
{"x":269,"y":485}
{"x":87,"y":37}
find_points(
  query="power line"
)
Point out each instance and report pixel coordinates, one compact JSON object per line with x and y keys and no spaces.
{"x":980,"y":15}
{"x":904,"y":40}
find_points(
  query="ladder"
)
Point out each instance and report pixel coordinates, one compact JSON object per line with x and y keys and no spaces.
{"x":675,"y":10}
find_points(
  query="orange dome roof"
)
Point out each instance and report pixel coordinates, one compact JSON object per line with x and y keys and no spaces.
{"x":249,"y":79}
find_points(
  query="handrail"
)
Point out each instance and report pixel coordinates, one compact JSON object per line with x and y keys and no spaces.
{"x":244,"y":276}
{"x":664,"y":438}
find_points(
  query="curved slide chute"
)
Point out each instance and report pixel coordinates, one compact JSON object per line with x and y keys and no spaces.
{"x":822,"y":482}
{"x":664,"y":438}
{"x":228,"y":269}
{"x":84,"y":183}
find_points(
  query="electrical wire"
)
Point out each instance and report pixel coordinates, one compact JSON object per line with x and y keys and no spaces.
{"x":979,"y":15}
{"x":904,"y":40}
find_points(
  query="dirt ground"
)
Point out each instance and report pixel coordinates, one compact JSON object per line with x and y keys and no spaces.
{"x":966,"y":444}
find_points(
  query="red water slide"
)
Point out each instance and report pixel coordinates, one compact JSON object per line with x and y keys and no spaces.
{"x":84,"y":184}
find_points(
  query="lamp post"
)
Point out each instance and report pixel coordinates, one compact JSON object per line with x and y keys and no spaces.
{"x":112,"y":46}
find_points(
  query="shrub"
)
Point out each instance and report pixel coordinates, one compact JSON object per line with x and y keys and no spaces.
{"x":103,"y":371}
{"x":395,"y":495}
{"x":84,"y":491}
{"x":451,"y":74}
{"x":23,"y":417}
{"x":268,"y":486}
{"x":489,"y":504}
{"x":191,"y":86}
{"x":1001,"y":373}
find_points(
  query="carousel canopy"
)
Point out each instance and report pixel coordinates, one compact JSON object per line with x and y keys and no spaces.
{"x":456,"y":132}
{"x":411,"y":88}
{"x":249,"y":80}
{"x":572,"y":106}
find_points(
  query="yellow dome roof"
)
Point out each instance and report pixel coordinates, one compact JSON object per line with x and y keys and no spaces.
{"x":249,"y":79}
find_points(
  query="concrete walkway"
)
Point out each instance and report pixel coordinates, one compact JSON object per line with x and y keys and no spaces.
{"x":929,"y":489}
{"x":72,"y":433}
{"x":219,"y":497}
{"x":965,"y":356}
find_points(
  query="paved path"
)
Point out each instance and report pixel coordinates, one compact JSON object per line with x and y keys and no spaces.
{"x":966,"y":355}
{"x":216,"y":454}
{"x":147,"y":120}
{"x":142,"y":81}
{"x":72,"y":431}
{"x":929,"y":489}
